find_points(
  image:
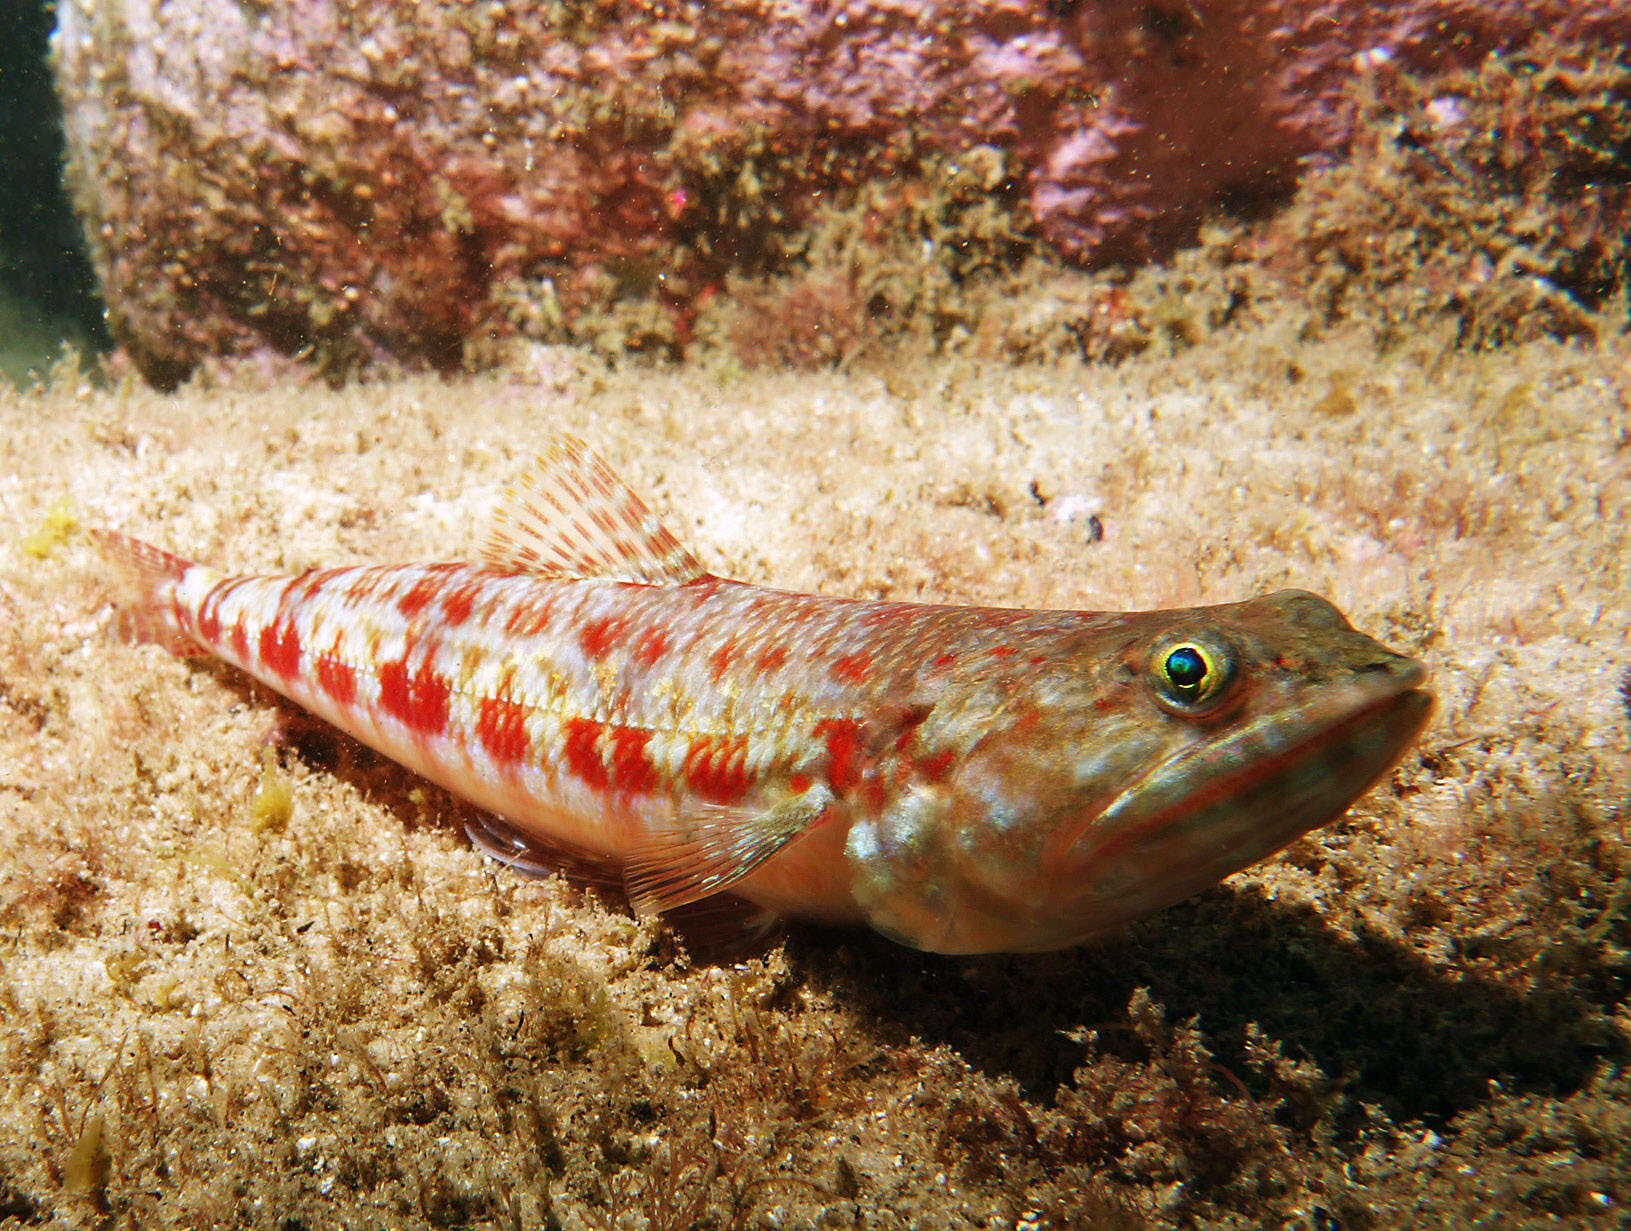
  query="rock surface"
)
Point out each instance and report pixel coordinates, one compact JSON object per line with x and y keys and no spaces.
{"x":393,"y":181}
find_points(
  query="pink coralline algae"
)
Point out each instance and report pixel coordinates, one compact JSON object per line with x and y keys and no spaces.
{"x":384,"y":180}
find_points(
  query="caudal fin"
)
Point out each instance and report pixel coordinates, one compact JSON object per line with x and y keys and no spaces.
{"x":150,"y":607}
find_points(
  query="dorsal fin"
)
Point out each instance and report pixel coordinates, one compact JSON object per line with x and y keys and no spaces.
{"x":569,"y":516}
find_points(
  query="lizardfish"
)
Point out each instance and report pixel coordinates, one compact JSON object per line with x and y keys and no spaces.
{"x":963,"y":779}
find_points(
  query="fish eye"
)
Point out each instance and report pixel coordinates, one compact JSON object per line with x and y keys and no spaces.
{"x":1192,"y":675}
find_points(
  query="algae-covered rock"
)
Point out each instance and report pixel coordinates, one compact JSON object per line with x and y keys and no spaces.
{"x":379,"y":180}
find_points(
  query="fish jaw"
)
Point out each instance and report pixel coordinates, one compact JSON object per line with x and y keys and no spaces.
{"x":1219,"y":806}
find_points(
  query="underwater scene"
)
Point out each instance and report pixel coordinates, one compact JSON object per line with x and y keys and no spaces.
{"x":772,"y":615}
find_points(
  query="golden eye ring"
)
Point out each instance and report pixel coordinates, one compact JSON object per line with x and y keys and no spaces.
{"x":1192,"y":676}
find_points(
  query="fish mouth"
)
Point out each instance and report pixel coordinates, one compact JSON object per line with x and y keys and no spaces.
{"x":1222,"y":804}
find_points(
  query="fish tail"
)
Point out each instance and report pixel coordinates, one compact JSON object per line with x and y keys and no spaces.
{"x":151,"y":611}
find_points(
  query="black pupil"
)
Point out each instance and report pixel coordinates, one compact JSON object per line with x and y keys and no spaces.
{"x":1185,"y":667}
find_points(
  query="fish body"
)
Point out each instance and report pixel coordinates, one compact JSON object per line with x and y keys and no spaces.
{"x":963,"y":779}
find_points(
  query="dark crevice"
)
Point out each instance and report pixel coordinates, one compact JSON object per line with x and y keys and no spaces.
{"x":43,"y":268}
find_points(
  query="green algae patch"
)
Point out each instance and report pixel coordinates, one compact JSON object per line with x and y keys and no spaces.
{"x":273,"y":802}
{"x":59,"y":526}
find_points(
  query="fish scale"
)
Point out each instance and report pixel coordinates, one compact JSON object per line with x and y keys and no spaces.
{"x":437,"y":654}
{"x":962,"y":778}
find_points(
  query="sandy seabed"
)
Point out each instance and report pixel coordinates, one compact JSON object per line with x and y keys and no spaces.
{"x":218,"y":1012}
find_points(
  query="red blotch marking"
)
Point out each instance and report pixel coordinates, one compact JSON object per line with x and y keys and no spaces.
{"x":716,"y":768}
{"x":799,"y":783}
{"x":936,"y":767}
{"x":852,"y":668}
{"x":417,"y":701}
{"x":1002,"y":651}
{"x":597,"y":637}
{"x":419,"y":596}
{"x":651,"y":646}
{"x":336,"y":679}
{"x":944,"y":661}
{"x":622,"y":766}
{"x":361,"y":589}
{"x":209,"y":619}
{"x":501,"y":729}
{"x":720,"y":660}
{"x":843,"y":739}
{"x":280,"y":648}
{"x":773,"y":659}
{"x":307,"y":585}
{"x":529,"y":619}
{"x":457,"y":606}
{"x":632,"y":770}
{"x":209,"y":616}
{"x":581,"y":751}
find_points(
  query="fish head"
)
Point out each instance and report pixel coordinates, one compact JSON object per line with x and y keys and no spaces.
{"x":1161,"y":753}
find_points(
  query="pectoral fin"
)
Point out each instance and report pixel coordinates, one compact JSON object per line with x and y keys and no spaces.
{"x":710,"y":848}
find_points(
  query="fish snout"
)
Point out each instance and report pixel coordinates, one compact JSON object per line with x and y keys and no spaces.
{"x":1398,"y":669}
